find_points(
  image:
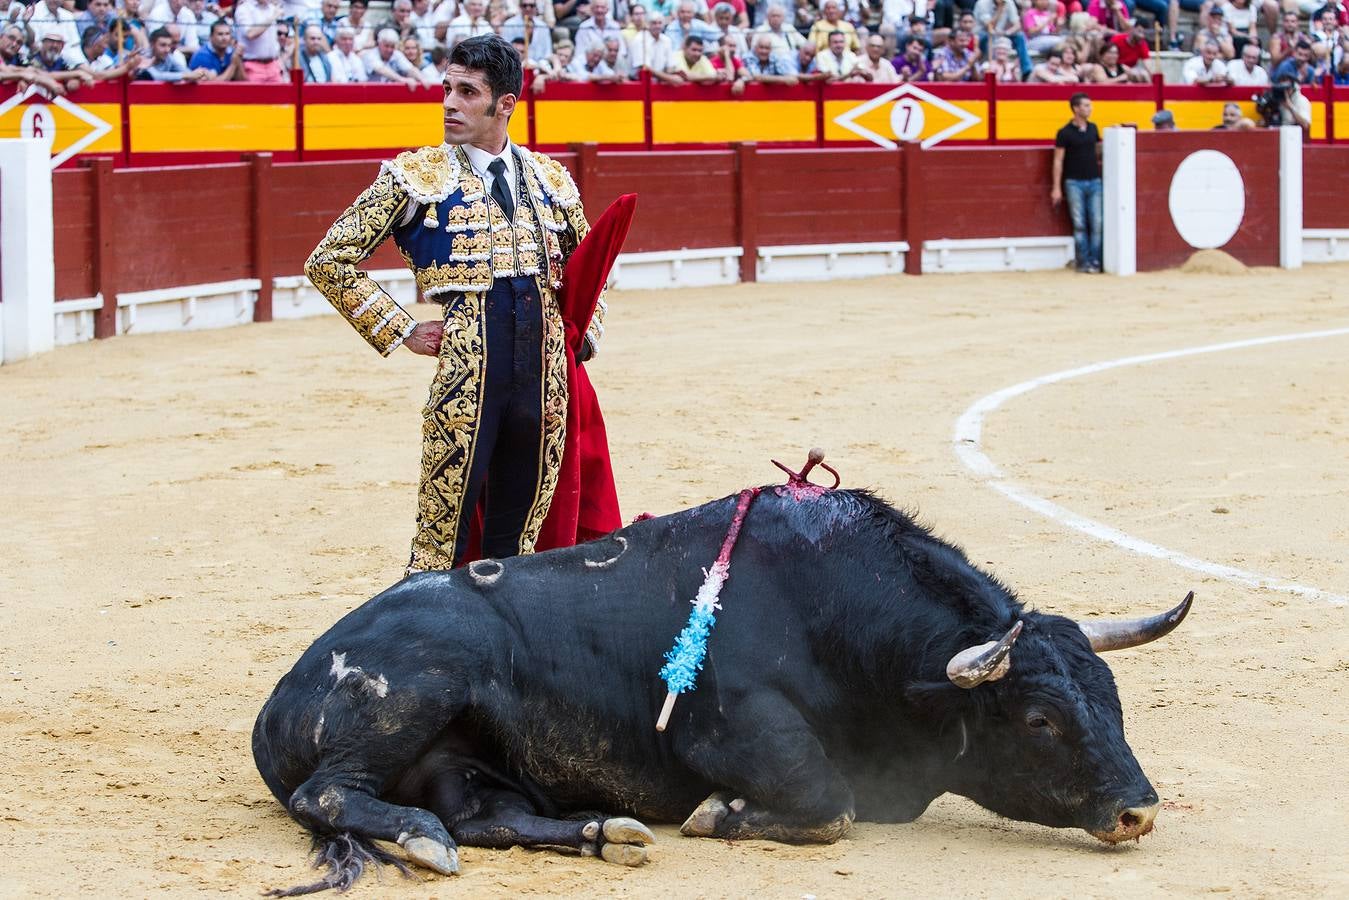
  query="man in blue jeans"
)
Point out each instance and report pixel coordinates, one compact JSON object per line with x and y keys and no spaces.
{"x":1077,"y":173}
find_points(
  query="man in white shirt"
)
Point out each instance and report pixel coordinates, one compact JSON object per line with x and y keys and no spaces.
{"x":596,"y":29}
{"x":385,"y":62}
{"x":1247,"y":72}
{"x":872,"y":66}
{"x":651,"y":47}
{"x":786,"y":40}
{"x":470,"y":23}
{"x":1205,"y":67}
{"x":530,"y":27}
{"x":314,"y":62}
{"x":837,"y":62}
{"x":178,"y":18}
{"x":346,"y":62}
{"x":359,"y":23}
{"x":255,"y":26}
{"x":50,"y":14}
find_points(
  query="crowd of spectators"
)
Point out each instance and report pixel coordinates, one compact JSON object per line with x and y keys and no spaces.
{"x":62,"y":44}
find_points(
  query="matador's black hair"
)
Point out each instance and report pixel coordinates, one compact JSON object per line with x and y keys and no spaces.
{"x":496,"y":59}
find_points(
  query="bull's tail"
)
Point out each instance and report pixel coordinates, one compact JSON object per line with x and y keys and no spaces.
{"x":346,"y":855}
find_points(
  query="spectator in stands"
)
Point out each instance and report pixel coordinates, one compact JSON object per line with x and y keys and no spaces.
{"x":1000,"y":18}
{"x":425,"y":24}
{"x":255,"y":21}
{"x":348,"y":67}
{"x":569,"y":13}
{"x":363,"y":32}
{"x":595,"y":30}
{"x":1298,"y":67}
{"x":651,"y":49}
{"x":43,"y":15}
{"x":786,"y":40}
{"x":1113,"y":15}
{"x":872,"y":66}
{"x":99,"y":14}
{"x":808,"y":63}
{"x":686,"y":23}
{"x":1247,"y":71}
{"x":314,"y":62}
{"x":836,"y":61}
{"x":723,"y":20}
{"x":560,"y":61}
{"x":765,"y":65}
{"x":469,"y":23}
{"x":327,"y":22}
{"x":1077,"y":174}
{"x":1163,"y":120}
{"x":913,"y":65}
{"x":1041,"y":28}
{"x":956,"y":60}
{"x":1340,"y":74}
{"x":1133,"y":50}
{"x":1296,"y":109}
{"x":1326,"y":33}
{"x":616,"y":58}
{"x":165,"y":64}
{"x":966,"y":32}
{"x":1205,"y":67}
{"x":14,"y":48}
{"x":805,"y":13}
{"x":1217,"y":33}
{"x":1242,"y":20}
{"x":400,"y":19}
{"x":729,"y":66}
{"x":1232,"y":118}
{"x":1105,"y":67}
{"x":385,"y":62}
{"x":1001,"y":66}
{"x":178,"y":18}
{"x":51,"y":60}
{"x":918,"y":28}
{"x":1053,"y":70}
{"x":635,"y":23}
{"x":531,"y":28}
{"x":831,"y":20}
{"x":285,"y":37}
{"x":219,"y":56}
{"x":691,"y":66}
{"x":590,"y":67}
{"x":1282,"y":42}
{"x":412,"y":49}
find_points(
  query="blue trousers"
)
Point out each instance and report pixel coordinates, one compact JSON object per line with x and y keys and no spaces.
{"x":508,"y":442}
{"x":1085,"y":208}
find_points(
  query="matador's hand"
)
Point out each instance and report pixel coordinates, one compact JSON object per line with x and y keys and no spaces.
{"x":425,"y":338}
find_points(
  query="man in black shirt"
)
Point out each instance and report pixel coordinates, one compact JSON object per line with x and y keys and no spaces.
{"x":1077,"y":173}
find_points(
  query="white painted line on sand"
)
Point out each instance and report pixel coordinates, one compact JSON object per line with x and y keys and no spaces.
{"x":969,"y":433}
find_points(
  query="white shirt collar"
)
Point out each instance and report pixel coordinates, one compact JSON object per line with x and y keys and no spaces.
{"x":480,"y":159}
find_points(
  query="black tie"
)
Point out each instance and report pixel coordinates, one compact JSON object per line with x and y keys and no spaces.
{"x":500,"y":192}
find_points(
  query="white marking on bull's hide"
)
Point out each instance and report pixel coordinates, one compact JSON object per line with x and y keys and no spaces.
{"x":968,"y":448}
{"x":340,"y":670}
{"x":605,"y":563}
{"x":318,"y":730}
{"x":485,"y":579}
{"x":964,"y":741}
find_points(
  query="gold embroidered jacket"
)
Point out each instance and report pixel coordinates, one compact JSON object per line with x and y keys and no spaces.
{"x":452,"y":242}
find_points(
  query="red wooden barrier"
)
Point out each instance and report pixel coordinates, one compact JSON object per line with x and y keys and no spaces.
{"x":1325,"y":200}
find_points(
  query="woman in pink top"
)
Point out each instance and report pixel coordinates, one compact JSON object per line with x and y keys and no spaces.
{"x":1112,"y":14}
{"x":1042,"y":27}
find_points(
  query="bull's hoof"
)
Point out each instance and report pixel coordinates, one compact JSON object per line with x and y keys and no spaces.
{"x":432,"y":854}
{"x":707,"y":818}
{"x":623,"y":830}
{"x":623,"y":854}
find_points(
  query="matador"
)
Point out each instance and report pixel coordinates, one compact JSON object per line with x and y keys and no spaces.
{"x":487,"y":227}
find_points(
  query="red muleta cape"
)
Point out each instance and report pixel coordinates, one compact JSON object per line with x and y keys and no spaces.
{"x":585,"y":503}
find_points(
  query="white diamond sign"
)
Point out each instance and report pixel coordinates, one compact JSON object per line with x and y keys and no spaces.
{"x":37,"y":121}
{"x":907,"y":117}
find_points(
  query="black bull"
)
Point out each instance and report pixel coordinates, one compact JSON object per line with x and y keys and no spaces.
{"x":860,"y":667}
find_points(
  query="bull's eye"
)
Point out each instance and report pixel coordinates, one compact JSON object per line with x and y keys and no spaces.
{"x":1036,"y":721}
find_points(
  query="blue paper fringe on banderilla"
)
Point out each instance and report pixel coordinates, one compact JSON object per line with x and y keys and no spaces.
{"x":684,"y":660}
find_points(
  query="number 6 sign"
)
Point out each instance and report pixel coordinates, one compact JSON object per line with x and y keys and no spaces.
{"x":38,"y":123}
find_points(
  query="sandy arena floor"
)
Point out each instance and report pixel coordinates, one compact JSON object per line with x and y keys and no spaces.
{"x":183,"y":514}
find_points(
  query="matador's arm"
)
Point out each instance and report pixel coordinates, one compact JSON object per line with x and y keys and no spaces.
{"x":356,"y":235}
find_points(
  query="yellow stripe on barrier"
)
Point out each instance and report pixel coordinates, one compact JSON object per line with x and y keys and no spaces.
{"x":580,"y":121}
{"x":720,"y":121}
{"x":63,"y":127}
{"x":182,"y":127}
{"x":354,"y":126}
{"x":881,"y":120}
{"x":1040,"y":120}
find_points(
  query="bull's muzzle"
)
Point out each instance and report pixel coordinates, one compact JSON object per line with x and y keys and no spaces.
{"x":1131,"y":823}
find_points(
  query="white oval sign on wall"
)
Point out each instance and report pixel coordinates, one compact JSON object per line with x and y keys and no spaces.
{"x":1207,"y":199}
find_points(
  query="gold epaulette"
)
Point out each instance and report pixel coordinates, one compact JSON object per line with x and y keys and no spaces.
{"x":429,"y":175}
{"x":555,"y":179}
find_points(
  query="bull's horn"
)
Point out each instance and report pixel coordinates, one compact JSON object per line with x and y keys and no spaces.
{"x":985,"y":662}
{"x":1120,"y":634}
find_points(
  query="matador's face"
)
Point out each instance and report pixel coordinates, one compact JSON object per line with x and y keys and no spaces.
{"x":471,"y":117}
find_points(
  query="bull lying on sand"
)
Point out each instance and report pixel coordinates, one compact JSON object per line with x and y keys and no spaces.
{"x":860,"y":668}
